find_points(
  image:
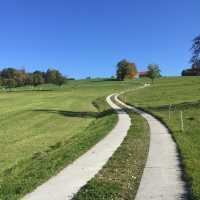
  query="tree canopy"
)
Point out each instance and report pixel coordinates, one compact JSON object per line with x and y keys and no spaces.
{"x":126,"y":69}
{"x":196,"y":51}
{"x":11,"y":77}
{"x":54,"y":76}
{"x":153,"y":71}
{"x":195,"y":60}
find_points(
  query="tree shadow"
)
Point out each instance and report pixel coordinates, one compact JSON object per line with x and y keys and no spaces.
{"x":77,"y":114}
{"x":104,"y":79}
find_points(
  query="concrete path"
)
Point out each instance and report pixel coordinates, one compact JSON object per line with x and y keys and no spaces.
{"x":64,"y":185}
{"x":161,"y":178}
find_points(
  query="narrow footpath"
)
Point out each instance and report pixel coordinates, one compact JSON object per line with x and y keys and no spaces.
{"x":161,"y":178}
{"x":64,"y":185}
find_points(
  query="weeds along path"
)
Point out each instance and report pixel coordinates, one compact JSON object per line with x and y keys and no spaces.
{"x":161,"y":179}
{"x":64,"y":185}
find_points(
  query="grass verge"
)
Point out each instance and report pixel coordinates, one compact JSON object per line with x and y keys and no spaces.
{"x":120,"y":177}
{"x":31,"y":172}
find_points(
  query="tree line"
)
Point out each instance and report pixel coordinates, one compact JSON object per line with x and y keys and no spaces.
{"x":11,"y":77}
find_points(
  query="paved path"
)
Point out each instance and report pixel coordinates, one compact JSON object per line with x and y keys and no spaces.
{"x":161,"y":178}
{"x":76,"y":175}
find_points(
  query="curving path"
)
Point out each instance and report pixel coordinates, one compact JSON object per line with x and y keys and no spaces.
{"x":161,"y":179}
{"x":64,"y":185}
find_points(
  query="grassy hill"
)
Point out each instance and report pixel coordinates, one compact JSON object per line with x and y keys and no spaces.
{"x":45,"y":128}
{"x":184,"y":95}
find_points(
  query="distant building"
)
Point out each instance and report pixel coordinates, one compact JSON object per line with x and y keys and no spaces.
{"x":143,"y":74}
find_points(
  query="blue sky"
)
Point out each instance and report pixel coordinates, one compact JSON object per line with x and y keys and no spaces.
{"x":88,"y":37}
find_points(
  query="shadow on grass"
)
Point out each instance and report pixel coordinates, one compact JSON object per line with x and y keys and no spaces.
{"x":78,"y":114}
{"x":104,"y":79}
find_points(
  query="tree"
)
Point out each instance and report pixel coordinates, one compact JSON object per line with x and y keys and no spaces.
{"x":196,"y":50}
{"x":153,"y":71}
{"x":37,"y":78}
{"x":60,"y":80}
{"x":51,"y":76}
{"x":196,"y":65}
{"x":20,"y":77}
{"x":9,"y":83}
{"x":126,"y":69}
{"x":10,"y":77}
{"x":1,"y":81}
{"x":8,"y":73}
{"x":55,"y":77}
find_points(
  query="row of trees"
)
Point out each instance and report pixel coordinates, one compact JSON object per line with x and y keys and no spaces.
{"x":11,"y":77}
{"x":128,"y":70}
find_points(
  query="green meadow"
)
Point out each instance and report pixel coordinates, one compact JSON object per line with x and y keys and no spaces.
{"x":42,"y":129}
{"x":166,"y":99}
{"x":45,"y":128}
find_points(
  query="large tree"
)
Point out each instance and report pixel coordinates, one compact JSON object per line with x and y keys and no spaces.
{"x":11,"y":75}
{"x":55,"y":77}
{"x":196,"y":51}
{"x":20,"y":77}
{"x":126,"y":69}
{"x":8,"y":73}
{"x":153,"y":71}
{"x":37,"y":78}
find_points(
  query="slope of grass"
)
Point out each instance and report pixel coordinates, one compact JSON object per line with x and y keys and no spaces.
{"x":120,"y":177}
{"x":45,"y":128}
{"x":30,"y":172}
{"x":184,"y":95}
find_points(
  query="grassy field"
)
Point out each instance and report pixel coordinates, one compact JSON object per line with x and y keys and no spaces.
{"x":45,"y":128}
{"x":120,"y":177}
{"x":184,"y":95}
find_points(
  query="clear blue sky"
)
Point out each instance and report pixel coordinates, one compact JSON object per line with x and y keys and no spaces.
{"x":88,"y":37}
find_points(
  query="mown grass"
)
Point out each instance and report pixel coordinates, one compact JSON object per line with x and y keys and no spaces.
{"x":35,"y":120}
{"x":183,"y":95}
{"x":44,"y":129}
{"x":28,"y":173}
{"x":120,"y":177}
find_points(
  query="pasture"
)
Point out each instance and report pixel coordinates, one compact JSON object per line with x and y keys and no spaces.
{"x":45,"y":128}
{"x":183,"y":94}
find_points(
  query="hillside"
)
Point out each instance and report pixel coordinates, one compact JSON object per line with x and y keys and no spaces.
{"x":183,"y":95}
{"x":45,"y":128}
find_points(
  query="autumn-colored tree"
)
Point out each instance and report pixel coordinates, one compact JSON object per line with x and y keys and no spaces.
{"x":126,"y":69}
